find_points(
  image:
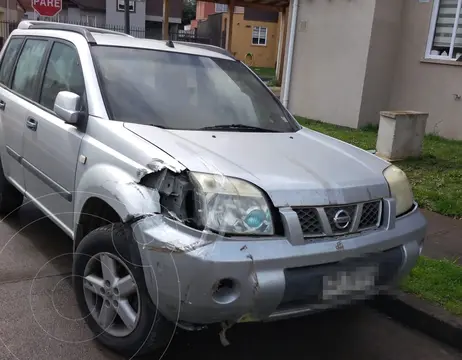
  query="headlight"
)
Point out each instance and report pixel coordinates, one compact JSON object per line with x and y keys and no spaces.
{"x":232,"y":206}
{"x":400,"y":188}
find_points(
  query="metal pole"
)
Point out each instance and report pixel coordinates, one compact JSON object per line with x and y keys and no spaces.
{"x":127,"y":16}
{"x":290,"y":54}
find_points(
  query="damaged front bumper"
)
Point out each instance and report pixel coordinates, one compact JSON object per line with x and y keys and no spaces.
{"x":199,"y":278}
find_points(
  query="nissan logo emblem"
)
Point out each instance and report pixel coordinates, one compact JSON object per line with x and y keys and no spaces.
{"x":342,"y":220}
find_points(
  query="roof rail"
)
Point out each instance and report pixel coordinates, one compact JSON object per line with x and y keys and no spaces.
{"x":213,"y":48}
{"x":85,"y":31}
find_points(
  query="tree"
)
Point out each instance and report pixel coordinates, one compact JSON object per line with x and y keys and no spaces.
{"x":189,"y":11}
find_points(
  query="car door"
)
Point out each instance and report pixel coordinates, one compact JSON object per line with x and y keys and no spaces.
{"x":11,"y":122}
{"x":51,"y":146}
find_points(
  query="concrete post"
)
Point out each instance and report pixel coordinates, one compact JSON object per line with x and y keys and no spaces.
{"x":401,"y":134}
{"x":281,"y":44}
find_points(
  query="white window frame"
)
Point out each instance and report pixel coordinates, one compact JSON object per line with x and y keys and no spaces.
{"x":221,"y":8}
{"x":121,"y":5}
{"x":86,"y":19}
{"x":431,"y":34}
{"x":259,"y":35}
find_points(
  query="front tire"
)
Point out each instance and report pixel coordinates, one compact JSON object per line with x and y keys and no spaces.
{"x":111,"y":293}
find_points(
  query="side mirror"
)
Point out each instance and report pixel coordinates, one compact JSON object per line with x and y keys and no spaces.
{"x":67,"y":107}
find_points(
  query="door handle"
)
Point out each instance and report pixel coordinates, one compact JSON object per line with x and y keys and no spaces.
{"x":2,"y":105}
{"x":32,"y":124}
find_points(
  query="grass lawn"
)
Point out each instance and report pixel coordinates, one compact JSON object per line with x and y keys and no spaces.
{"x":264,"y":72}
{"x":436,"y":177}
{"x":437,"y":281}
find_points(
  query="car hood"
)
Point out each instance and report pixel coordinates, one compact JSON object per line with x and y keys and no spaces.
{"x":294,"y":169}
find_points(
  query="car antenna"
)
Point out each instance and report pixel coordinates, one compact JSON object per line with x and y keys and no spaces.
{"x":170,"y":44}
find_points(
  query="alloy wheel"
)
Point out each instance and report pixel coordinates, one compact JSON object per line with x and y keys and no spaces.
{"x":111,"y":294}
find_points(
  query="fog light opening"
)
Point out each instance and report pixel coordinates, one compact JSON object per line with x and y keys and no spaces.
{"x":225,"y":291}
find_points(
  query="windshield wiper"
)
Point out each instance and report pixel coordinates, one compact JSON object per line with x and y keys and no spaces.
{"x":237,"y":127}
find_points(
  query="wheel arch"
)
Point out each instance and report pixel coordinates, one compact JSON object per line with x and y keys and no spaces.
{"x":95,"y":213}
{"x":108,"y":194}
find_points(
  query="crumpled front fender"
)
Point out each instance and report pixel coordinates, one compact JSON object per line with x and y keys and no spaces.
{"x":118,"y":189}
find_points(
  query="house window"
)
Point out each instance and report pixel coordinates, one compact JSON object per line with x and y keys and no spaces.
{"x":445,"y":38}
{"x":259,"y":35}
{"x":219,"y":8}
{"x":89,"y":20}
{"x":121,"y":5}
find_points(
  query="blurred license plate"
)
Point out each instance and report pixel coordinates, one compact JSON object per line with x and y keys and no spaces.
{"x":348,"y":282}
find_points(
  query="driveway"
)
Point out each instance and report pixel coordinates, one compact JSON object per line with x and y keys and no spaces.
{"x":39,"y":318}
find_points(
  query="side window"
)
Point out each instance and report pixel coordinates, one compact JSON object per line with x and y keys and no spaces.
{"x":8,"y":59}
{"x":63,"y":73}
{"x":28,"y":68}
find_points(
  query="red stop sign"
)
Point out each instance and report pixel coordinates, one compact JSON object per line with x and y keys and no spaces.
{"x":47,"y":7}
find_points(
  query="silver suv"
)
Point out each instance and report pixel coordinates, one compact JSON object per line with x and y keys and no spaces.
{"x":193,"y":197}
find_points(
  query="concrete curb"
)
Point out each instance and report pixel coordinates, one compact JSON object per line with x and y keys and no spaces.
{"x":423,"y":316}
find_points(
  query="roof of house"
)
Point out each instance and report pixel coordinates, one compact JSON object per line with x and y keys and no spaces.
{"x":90,"y":4}
{"x":19,"y":3}
{"x":26,"y":5}
{"x":272,"y":5}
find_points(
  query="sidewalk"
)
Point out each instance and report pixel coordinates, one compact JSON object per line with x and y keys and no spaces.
{"x":414,"y":309}
{"x":444,"y":237}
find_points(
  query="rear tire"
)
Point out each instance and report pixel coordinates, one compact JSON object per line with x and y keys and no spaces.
{"x":10,"y":197}
{"x":147,"y":331}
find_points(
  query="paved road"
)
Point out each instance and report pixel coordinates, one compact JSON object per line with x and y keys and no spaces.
{"x":39,"y":317}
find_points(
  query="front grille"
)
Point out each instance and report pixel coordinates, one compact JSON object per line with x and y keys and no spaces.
{"x":370,"y":216}
{"x":309,"y":221}
{"x":339,"y":219}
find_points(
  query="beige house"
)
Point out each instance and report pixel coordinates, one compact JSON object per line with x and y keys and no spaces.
{"x":354,"y":58}
{"x":11,"y":11}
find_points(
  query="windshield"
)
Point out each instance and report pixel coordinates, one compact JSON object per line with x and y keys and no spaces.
{"x":187,"y":92}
